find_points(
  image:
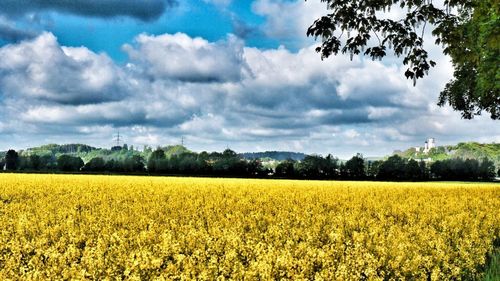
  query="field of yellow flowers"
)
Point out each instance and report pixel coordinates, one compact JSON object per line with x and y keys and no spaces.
{"x":154,"y":228}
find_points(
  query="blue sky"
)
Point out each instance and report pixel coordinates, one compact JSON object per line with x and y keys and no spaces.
{"x":194,"y":18}
{"x":220,"y":73}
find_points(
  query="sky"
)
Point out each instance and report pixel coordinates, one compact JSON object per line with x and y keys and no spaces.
{"x":216,"y":73}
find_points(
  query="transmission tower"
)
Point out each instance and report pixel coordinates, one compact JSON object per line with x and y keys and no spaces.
{"x":118,"y":138}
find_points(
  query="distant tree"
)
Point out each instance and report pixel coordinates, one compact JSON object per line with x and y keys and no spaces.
{"x":312,"y":166}
{"x":487,"y":169}
{"x":111,"y":165}
{"x":29,"y":162}
{"x":35,"y":162}
{"x":187,"y":163}
{"x":317,"y":167}
{"x":228,"y":163}
{"x":95,"y":165}
{"x":118,"y":165}
{"x":459,"y":169}
{"x":11,"y":160}
{"x":214,"y":156}
{"x":228,"y":153}
{"x":135,"y":163}
{"x":438,"y":169}
{"x":470,"y":169}
{"x":205,"y":156}
{"x":412,"y":170}
{"x":68,"y":163}
{"x":155,"y":161}
{"x":392,"y":169}
{"x":147,"y":149}
{"x":48,"y":162}
{"x":23,"y":163}
{"x":285,"y":169}
{"x":343,"y":171}
{"x":355,"y":167}
{"x":331,"y":167}
{"x":255,"y":168}
{"x":424,"y":171}
{"x":373,"y":168}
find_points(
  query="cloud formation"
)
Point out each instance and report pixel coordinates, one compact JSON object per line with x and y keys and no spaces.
{"x":10,"y":33}
{"x":288,"y":21}
{"x":180,"y":57}
{"x":143,"y":9}
{"x":42,"y":70}
{"x":219,"y":94}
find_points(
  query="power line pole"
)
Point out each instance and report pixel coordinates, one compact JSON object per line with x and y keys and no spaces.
{"x":118,"y":139}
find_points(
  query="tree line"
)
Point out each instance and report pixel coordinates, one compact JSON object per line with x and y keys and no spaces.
{"x":229,"y":164}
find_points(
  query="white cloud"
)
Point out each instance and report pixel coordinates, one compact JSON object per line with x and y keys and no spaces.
{"x":351,"y":134}
{"x":180,"y":57}
{"x":43,"y":70}
{"x":289,"y":20}
{"x":222,"y":94}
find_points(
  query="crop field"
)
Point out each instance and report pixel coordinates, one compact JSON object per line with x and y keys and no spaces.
{"x":154,"y":228}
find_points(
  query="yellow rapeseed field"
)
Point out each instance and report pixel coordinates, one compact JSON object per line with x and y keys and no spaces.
{"x":151,"y":228}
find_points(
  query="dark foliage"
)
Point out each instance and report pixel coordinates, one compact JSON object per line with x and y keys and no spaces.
{"x":285,"y":169}
{"x":11,"y":160}
{"x":95,"y":165}
{"x":469,"y":30}
{"x":230,"y":164}
{"x":68,"y":163}
{"x":459,"y":169}
{"x":355,"y":167}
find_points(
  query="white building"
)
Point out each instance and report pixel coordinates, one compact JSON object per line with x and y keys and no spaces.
{"x":429,"y":144}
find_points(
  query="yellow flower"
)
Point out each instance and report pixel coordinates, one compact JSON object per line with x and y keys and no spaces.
{"x":160,"y":228}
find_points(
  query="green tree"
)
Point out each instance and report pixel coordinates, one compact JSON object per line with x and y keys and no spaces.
{"x":255,"y":168}
{"x":134,"y":163}
{"x":95,"y":165}
{"x":392,"y":169}
{"x":155,"y":160}
{"x":331,"y":167}
{"x":312,"y":166}
{"x":68,"y":163}
{"x":373,"y":168}
{"x":11,"y":160}
{"x":412,"y":170}
{"x":487,"y":169}
{"x":355,"y":167}
{"x":424,"y":171}
{"x":35,"y":162}
{"x":23,"y":163}
{"x":469,"y":30}
{"x":229,"y":163}
{"x":48,"y":162}
{"x":285,"y":169}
